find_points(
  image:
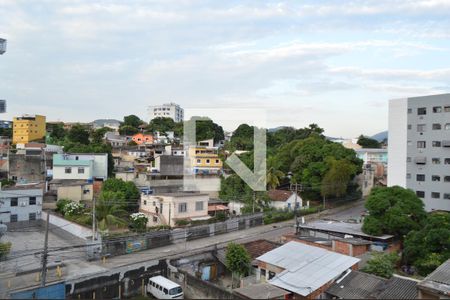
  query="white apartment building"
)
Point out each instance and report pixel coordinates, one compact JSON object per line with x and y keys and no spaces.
{"x":419,"y":148}
{"x":20,"y":204}
{"x":81,"y":166}
{"x":167,"y":110}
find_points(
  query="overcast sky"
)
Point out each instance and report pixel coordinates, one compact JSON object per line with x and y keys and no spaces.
{"x":335,"y":63}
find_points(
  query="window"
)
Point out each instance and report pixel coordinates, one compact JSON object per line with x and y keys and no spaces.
{"x":271,"y":275}
{"x":14,"y":201}
{"x":145,"y":202}
{"x":409,"y":126}
{"x":447,"y":161}
{"x":408,"y":175}
{"x":435,"y":178}
{"x":13,"y":218}
{"x":420,"y":194}
{"x":422,"y":111}
{"x":199,"y":205}
{"x":182,"y":207}
{"x":420,"y":177}
{"x":447,"y":179}
{"x":32,"y":216}
{"x":207,"y":161}
{"x":217,"y":161}
{"x":80,"y":170}
{"x":436,"y":143}
{"x":437,"y":109}
{"x":447,"y":126}
{"x":436,"y":161}
{"x":421,"y":144}
{"x":166,"y":291}
{"x":447,"y":108}
{"x":421,"y":127}
{"x":409,"y":143}
{"x":32,"y":201}
{"x":447,"y":196}
{"x":437,"y":126}
{"x":68,"y":170}
{"x":435,"y":195}
{"x":409,"y":110}
{"x":155,"y":219}
{"x":408,"y":159}
{"x":199,"y":161}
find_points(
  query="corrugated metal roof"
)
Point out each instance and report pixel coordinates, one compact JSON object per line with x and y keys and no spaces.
{"x":307,"y":268}
{"x":439,"y":279}
{"x":399,"y":288}
{"x":356,"y":285}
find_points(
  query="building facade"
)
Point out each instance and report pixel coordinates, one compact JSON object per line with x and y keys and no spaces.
{"x":166,"y":209}
{"x":28,"y":128}
{"x":167,"y":110}
{"x":80,"y":166}
{"x":20,"y":204}
{"x":140,"y":138}
{"x":204,"y":161}
{"x":419,"y":148}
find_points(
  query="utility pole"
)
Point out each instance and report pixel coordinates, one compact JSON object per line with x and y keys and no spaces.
{"x":296,"y":187}
{"x":94,"y":229}
{"x":254,"y":200}
{"x":45,"y":253}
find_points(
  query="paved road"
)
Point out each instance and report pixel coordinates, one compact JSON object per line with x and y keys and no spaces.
{"x":77,"y":267}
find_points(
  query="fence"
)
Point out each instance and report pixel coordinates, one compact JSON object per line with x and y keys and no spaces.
{"x":113,"y":246}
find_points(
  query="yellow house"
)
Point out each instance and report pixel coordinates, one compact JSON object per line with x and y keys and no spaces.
{"x":205,"y":160}
{"x":28,"y":128}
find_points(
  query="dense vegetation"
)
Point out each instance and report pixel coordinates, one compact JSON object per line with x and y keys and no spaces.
{"x":367,"y":142}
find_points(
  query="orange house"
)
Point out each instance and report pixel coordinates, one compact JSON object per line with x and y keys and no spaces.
{"x":140,"y":138}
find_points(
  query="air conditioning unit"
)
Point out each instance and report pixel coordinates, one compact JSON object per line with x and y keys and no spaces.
{"x":22,"y":204}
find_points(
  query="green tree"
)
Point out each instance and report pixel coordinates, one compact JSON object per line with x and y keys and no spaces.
{"x":273,"y":177}
{"x":127,"y":191}
{"x":366,"y":142}
{"x":98,"y":135}
{"x":242,"y":138}
{"x":206,"y":129}
{"x":286,"y":135}
{"x":132,"y":120}
{"x":337,"y":178}
{"x":382,"y":264}
{"x":237,"y":259}
{"x":161,"y":125}
{"x":138,"y":222}
{"x":429,"y":246}
{"x":128,"y":130}
{"x":57,"y":130}
{"x":393,"y":210}
{"x":78,"y":134}
{"x":92,"y":148}
{"x":109,"y":213}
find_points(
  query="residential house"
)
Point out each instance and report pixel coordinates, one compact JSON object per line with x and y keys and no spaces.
{"x":306,"y":271}
{"x":109,"y":123}
{"x":116,"y":140}
{"x":437,"y":284}
{"x":360,"y":285}
{"x":164,"y":137}
{"x":140,"y":138}
{"x":86,"y":166}
{"x":77,"y":191}
{"x":28,"y":128}
{"x":166,"y":209}
{"x":204,"y":161}
{"x":21,"y":205}
{"x":217,"y":206}
{"x":281,"y":199}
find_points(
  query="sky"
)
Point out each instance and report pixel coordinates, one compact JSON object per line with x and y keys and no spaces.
{"x":334,"y":63}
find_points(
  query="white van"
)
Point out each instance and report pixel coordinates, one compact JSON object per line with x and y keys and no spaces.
{"x":162,"y":288}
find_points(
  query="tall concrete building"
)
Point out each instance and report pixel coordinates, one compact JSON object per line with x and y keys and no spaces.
{"x":167,"y":110}
{"x":28,"y":128}
{"x":419,"y":148}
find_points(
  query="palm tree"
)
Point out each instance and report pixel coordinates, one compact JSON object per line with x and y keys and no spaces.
{"x":109,"y":213}
{"x":273,"y":177}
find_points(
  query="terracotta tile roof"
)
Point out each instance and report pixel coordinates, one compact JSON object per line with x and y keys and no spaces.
{"x":260,"y":247}
{"x":279,"y":195}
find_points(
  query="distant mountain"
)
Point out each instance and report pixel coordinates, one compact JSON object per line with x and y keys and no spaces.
{"x":103,"y":121}
{"x":276,"y":129}
{"x":380,"y":136}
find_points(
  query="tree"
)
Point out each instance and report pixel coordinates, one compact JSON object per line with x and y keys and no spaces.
{"x":382,"y":264}
{"x":237,"y":259}
{"x":109,"y":213}
{"x":286,"y":135}
{"x":273,"y":177}
{"x":78,"y":134}
{"x":337,"y":178}
{"x":128,"y":130}
{"x":138,"y":222}
{"x":98,"y":135}
{"x":393,"y":210}
{"x":161,"y":125}
{"x":125,"y":190}
{"x":92,"y":148}
{"x":428,"y":247}
{"x":57,"y":131}
{"x":366,"y":142}
{"x":132,"y":120}
{"x":206,"y":129}
{"x":242,"y":138}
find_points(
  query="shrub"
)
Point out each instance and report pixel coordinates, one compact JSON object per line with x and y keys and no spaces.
{"x":61,"y":204}
{"x":4,"y":249}
{"x":73,"y":209}
{"x":221,"y":216}
{"x":382,"y":264}
{"x":181,"y":222}
{"x":138,"y":221}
